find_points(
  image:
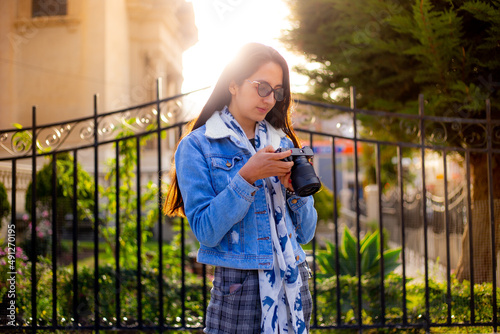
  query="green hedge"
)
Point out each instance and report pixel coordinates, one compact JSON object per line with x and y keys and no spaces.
{"x":415,"y":302}
{"x":326,"y":299}
{"x":107,"y":300}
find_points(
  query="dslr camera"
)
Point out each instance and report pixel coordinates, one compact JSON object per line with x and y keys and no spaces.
{"x":304,"y":179}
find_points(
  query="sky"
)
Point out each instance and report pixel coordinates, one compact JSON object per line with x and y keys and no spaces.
{"x":223,"y":27}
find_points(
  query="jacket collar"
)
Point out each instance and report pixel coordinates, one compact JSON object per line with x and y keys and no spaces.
{"x":215,"y":128}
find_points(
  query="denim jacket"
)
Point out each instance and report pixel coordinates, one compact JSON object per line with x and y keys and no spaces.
{"x":227,"y":214}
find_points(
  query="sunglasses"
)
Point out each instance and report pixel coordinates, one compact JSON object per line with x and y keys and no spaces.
{"x":264,"y":89}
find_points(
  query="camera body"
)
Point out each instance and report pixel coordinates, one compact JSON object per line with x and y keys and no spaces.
{"x":305,"y":182}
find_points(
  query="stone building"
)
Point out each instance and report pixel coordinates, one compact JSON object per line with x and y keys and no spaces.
{"x":56,"y":54}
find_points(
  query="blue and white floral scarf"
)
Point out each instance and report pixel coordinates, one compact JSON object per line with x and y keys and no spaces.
{"x":280,"y":286}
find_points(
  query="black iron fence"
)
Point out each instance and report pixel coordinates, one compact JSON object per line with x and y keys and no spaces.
{"x":94,"y":253}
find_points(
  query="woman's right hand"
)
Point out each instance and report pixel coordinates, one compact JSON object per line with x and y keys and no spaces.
{"x":266,"y":163}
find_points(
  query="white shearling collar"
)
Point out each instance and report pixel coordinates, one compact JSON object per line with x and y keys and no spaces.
{"x":217,"y":129}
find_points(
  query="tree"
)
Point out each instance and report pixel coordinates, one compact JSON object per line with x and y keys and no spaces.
{"x":393,"y":50}
{"x":64,"y":197}
{"x":64,"y":188}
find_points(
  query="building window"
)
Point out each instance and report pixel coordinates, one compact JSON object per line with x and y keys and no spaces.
{"x":49,"y":7}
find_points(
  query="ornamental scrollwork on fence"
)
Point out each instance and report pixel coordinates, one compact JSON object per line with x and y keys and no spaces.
{"x":87,"y":132}
{"x":69,"y":135}
{"x":474,"y":135}
{"x":409,"y":127}
{"x":17,"y":142}
{"x":496,"y":134}
{"x":105,"y":128}
{"x":437,"y":133}
{"x":464,"y":135}
{"x":21,"y":142}
{"x":51,"y":138}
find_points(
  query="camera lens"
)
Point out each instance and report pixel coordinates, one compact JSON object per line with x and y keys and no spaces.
{"x":304,"y":179}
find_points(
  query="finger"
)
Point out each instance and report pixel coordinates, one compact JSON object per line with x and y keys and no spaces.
{"x":283,"y":166}
{"x":269,"y":149}
{"x":283,"y":155}
{"x":287,"y":181}
{"x":283,"y":173}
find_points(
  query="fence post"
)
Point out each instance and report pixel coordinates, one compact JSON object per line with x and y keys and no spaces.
{"x":160,"y":214}
{"x":421,"y":114}
{"x":33,"y":222}
{"x":356,"y":197}
{"x":491,"y":201}
{"x":96,"y":219}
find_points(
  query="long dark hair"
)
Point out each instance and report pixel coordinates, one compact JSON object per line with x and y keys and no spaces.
{"x":249,"y":59}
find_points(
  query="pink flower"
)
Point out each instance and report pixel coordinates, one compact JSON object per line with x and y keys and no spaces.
{"x":40,"y":234}
{"x":45,"y":213}
{"x":2,"y":262}
{"x":25,"y":217}
{"x":20,"y":254}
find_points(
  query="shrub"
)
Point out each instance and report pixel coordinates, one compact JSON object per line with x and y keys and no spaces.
{"x":323,"y":203}
{"x":6,"y":261}
{"x":348,"y":256}
{"x":64,"y":191}
{"x":64,"y":188}
{"x":371,"y":307}
{"x":172,"y":287}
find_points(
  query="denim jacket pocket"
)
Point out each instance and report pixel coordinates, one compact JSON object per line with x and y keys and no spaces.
{"x":224,"y":168}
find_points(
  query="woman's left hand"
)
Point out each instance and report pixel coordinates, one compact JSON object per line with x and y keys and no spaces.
{"x":286,"y":181}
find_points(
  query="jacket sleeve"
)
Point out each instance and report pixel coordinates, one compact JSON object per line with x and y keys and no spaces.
{"x":210,"y":215}
{"x":304,"y":217}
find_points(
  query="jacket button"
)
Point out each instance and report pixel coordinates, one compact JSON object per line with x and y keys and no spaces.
{"x":294,"y":201}
{"x":228,"y":164}
{"x":297,"y":258}
{"x":252,"y":194}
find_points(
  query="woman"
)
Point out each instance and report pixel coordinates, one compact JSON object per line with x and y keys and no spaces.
{"x":237,"y":195}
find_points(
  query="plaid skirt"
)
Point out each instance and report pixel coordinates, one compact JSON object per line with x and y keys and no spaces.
{"x":235,"y":301}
